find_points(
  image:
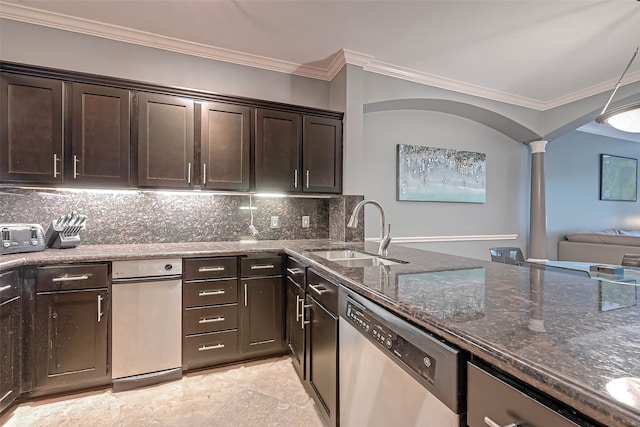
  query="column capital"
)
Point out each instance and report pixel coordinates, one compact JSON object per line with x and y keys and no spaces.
{"x":538,"y":146}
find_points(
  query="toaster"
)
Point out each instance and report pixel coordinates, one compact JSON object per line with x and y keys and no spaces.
{"x":17,"y":238}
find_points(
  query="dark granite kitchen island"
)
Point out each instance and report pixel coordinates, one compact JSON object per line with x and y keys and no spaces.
{"x":564,"y":335}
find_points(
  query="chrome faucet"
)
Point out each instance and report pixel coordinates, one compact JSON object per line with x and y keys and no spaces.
{"x":385,"y":238}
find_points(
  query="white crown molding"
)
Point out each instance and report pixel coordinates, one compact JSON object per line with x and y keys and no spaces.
{"x":343,"y":57}
{"x":450,"y":84}
{"x":127,"y":35}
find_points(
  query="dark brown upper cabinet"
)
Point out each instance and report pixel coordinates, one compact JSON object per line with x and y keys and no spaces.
{"x":296,"y":153}
{"x":278,"y":151}
{"x":322,"y":154}
{"x":165,"y":141}
{"x":100,"y":140}
{"x":31,"y":139}
{"x":225,"y":143}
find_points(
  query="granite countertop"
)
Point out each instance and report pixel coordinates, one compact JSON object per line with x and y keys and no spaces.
{"x":565,"y":335}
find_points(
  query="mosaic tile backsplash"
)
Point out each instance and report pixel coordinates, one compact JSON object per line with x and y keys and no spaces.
{"x":121,"y":217}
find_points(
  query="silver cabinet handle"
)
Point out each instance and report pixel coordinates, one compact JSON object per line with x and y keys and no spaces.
{"x":298,"y":307}
{"x":212,"y":319}
{"x":75,"y":166}
{"x":100,"y":297}
{"x":55,"y":165}
{"x":295,"y":271}
{"x":307,"y":174}
{"x":208,"y":269}
{"x":302,"y":320}
{"x":488,"y":421}
{"x":295,"y":178}
{"x":189,"y":173}
{"x":204,"y":174}
{"x":4,"y":288}
{"x":316,"y":289}
{"x":210,"y":347}
{"x":262,"y":267}
{"x":66,"y":278}
{"x":210,"y":293}
{"x":245,"y":295}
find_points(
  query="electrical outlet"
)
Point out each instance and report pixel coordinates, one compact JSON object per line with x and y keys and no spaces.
{"x":275,"y":222}
{"x":305,"y":221}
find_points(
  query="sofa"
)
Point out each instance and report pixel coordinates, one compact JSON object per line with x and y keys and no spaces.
{"x":605,"y":247}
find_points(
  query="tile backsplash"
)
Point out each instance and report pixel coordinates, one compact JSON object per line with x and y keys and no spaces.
{"x":130,"y":216}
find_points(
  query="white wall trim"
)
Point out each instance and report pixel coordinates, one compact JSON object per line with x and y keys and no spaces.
{"x":127,"y":35}
{"x":59,"y":21}
{"x":431,"y":239}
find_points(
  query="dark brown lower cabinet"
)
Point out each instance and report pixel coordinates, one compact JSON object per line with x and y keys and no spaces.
{"x":295,"y":328}
{"x":262,"y":315}
{"x":493,"y":397}
{"x":71,"y":337}
{"x":10,"y":338}
{"x":321,"y":328}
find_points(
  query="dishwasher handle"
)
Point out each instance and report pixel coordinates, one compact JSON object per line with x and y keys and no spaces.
{"x":146,"y":279}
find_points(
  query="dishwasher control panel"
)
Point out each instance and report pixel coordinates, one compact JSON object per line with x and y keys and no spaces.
{"x":417,"y":360}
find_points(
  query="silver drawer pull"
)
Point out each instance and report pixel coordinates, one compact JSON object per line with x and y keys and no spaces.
{"x":210,"y":347}
{"x":295,"y":271}
{"x":316,"y":289}
{"x":5,"y":288}
{"x":212,"y":319}
{"x":208,"y":269}
{"x":70,"y":278}
{"x":100,"y":313}
{"x":262,"y":267}
{"x":210,"y":293}
{"x":488,"y":421}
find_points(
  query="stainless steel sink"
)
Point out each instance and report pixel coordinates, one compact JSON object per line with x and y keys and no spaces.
{"x":351,"y":258}
{"x":341,"y":254}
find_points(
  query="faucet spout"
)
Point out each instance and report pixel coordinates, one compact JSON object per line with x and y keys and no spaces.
{"x":385,"y":235}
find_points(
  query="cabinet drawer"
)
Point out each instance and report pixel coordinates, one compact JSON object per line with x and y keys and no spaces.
{"x":210,"y":292}
{"x":68,"y":277}
{"x":296,"y":272}
{"x":491,"y":397}
{"x":209,"y":319}
{"x":210,"y":268}
{"x":266,"y":266}
{"x":9,"y":286}
{"x":209,"y":346}
{"x":322,"y":290}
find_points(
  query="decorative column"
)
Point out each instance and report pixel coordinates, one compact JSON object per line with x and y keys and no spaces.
{"x":537,"y":216}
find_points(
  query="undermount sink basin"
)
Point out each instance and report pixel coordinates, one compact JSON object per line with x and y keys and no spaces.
{"x":351,"y":258}
{"x":341,"y":254}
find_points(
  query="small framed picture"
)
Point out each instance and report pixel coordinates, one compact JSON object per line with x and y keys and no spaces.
{"x":618,"y":178}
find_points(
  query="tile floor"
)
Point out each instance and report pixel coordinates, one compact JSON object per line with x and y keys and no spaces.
{"x":261,"y":393}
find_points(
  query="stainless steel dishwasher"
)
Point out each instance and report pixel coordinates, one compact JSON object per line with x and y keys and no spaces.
{"x":392,"y":373}
{"x":147,"y":322}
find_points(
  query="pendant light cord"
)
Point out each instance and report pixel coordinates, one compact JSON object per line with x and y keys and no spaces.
{"x":615,"y":89}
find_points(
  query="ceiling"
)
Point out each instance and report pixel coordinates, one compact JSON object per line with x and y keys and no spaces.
{"x":538,"y":54}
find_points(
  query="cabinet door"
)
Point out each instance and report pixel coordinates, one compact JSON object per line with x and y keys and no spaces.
{"x":71,"y":337}
{"x":322,"y":151}
{"x":165,"y":141}
{"x":31,"y":142}
{"x":295,"y":332}
{"x":262,"y":326}
{"x":495,"y":399}
{"x":10,"y":333}
{"x":100,"y":136}
{"x":278,"y":143}
{"x":322,"y":357}
{"x":225,"y":139}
